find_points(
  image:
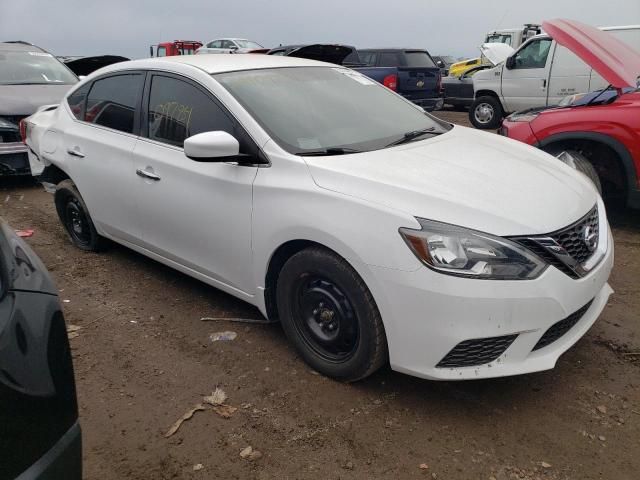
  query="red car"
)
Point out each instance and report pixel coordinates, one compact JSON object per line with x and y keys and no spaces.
{"x":600,"y":131}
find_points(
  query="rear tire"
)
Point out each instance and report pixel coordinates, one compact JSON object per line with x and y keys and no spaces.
{"x":75,"y":218}
{"x":486,"y":113}
{"x":330,"y":316}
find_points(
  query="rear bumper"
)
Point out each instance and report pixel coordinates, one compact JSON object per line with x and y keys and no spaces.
{"x":14,"y":159}
{"x":429,"y":104}
{"x":63,"y":460}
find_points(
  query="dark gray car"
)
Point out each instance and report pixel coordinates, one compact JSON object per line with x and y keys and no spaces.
{"x":40,"y":433}
{"x":29,"y":78}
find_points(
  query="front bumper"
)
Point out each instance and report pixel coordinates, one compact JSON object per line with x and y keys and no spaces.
{"x":427,"y":314}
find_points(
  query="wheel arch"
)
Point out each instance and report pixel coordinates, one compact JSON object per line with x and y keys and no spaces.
{"x":622,"y":155}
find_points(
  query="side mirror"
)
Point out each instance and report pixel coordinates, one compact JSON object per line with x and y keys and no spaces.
{"x":151,"y":51}
{"x":510,"y":62}
{"x":215,"y":146}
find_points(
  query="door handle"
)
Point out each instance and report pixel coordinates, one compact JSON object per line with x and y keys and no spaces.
{"x":75,"y":152}
{"x":544,"y":83}
{"x":149,"y":175}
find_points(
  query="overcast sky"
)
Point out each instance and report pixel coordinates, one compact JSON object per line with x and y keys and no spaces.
{"x":128,"y":27}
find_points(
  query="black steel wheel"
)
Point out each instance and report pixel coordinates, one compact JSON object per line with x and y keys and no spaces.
{"x":75,"y":218}
{"x":330,"y":316}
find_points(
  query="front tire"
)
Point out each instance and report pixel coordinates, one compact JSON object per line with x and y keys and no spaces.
{"x":330,"y":316}
{"x":486,"y":113}
{"x":75,"y":218}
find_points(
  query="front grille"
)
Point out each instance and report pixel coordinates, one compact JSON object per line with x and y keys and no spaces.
{"x":476,"y":352}
{"x":558,"y":329}
{"x":572,"y":237}
{"x":566,"y":249}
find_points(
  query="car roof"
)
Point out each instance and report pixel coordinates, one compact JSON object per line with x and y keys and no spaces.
{"x":217,"y":63}
{"x":19,"y":46}
{"x":392,"y":50}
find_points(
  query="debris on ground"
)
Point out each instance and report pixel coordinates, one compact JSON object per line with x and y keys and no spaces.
{"x":424,"y":466}
{"x":73,"y":330}
{"x":28,"y":232}
{"x":216,"y":398}
{"x":226,"y":336}
{"x":245,"y":452}
{"x":602,"y":409}
{"x":197,"y":467}
{"x":187,"y":415}
{"x":237,"y":320}
{"x":545,"y":465}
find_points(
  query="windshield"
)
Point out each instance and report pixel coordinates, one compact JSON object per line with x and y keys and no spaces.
{"x":247,"y":44}
{"x":33,"y":68}
{"x":448,"y":60}
{"x":499,"y":38}
{"x":311,"y":109}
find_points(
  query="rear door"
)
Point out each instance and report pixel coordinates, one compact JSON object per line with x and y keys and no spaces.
{"x":98,"y":148}
{"x":525,"y":84}
{"x":196,"y":214}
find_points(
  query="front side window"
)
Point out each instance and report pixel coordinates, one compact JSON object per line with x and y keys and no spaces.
{"x":33,"y":68}
{"x":215,"y":44}
{"x":368,"y":58}
{"x":533,"y":55}
{"x":178,"y":110}
{"x":112,"y":101}
{"x":76,"y":101}
{"x":162,"y":51}
{"x":310,"y":109}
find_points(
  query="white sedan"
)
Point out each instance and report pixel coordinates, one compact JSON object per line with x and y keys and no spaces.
{"x":372,"y":231}
{"x":230,"y":45}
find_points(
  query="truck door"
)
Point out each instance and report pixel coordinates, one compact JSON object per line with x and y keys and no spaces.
{"x":524,"y":84}
{"x":569,"y":75}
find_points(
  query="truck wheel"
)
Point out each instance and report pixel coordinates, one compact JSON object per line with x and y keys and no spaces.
{"x":582,"y":165}
{"x":330,"y":316}
{"x":486,"y":113}
{"x":75,"y":218}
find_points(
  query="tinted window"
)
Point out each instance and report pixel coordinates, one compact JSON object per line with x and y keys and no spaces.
{"x":368,"y":58}
{"x":418,"y":59}
{"x":178,"y":110}
{"x":388,"y":59}
{"x":112,"y":101}
{"x":534,"y":54}
{"x":216,"y":44}
{"x":162,"y":51}
{"x":76,"y":101}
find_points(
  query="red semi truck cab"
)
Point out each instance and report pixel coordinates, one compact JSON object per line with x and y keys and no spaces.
{"x":177,"y":47}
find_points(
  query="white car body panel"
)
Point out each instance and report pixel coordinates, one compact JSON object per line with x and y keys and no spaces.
{"x":222,"y":223}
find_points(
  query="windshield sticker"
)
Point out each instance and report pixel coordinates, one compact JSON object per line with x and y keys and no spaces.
{"x":358,"y":77}
{"x":40,"y":54}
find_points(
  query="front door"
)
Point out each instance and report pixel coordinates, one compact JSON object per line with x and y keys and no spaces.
{"x":197,"y":214}
{"x":98,"y":148}
{"x":525,"y":84}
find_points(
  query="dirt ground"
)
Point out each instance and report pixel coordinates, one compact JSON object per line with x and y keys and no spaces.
{"x":143,"y":358}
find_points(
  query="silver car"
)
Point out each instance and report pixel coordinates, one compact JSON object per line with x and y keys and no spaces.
{"x":29,"y":79}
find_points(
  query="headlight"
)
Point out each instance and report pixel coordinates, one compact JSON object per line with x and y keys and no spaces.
{"x":522,"y":117}
{"x":468,"y":253}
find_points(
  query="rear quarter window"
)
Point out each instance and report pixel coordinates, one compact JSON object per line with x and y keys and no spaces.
{"x":77,"y":101}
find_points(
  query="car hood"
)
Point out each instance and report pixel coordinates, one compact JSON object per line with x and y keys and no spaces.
{"x":25,"y":99}
{"x":614,"y":60}
{"x":496,"y":52}
{"x":464,"y":177}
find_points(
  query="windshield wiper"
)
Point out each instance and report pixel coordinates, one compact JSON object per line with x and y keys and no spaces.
{"x":410,"y":136}
{"x":329,"y":151}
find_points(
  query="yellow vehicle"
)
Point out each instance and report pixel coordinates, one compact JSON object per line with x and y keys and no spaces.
{"x":460,"y":68}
